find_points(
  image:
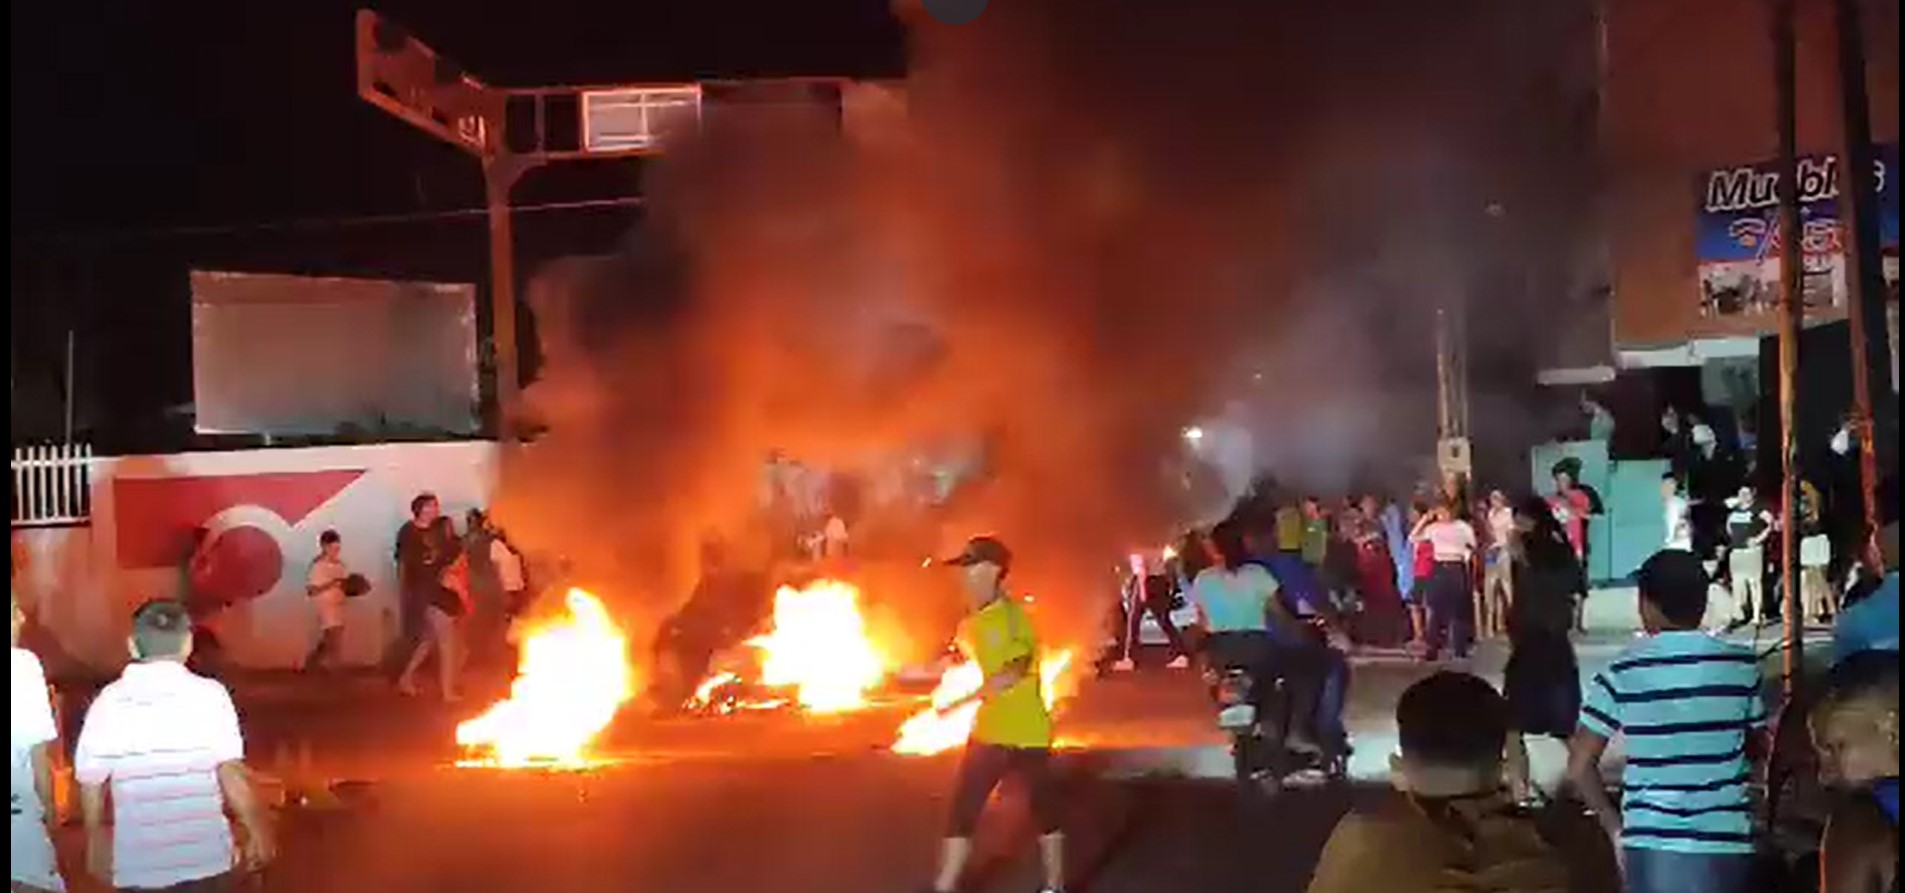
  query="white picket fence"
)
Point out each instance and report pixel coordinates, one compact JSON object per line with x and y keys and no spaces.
{"x":52,"y":485}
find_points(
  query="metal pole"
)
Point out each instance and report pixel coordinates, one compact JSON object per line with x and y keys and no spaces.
{"x":1865,"y":299}
{"x":499,"y":178}
{"x":1791,"y":306}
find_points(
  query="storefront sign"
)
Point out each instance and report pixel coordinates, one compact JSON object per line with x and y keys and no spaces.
{"x":1737,"y":238}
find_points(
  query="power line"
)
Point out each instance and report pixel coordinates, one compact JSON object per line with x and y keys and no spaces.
{"x":359,"y":220}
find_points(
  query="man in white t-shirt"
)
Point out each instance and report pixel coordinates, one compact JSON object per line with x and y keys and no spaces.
{"x":166,"y":741}
{"x":34,"y":867}
{"x":325,"y":586}
{"x":1678,"y":514}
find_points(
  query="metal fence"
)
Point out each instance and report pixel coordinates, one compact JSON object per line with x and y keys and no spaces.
{"x":52,"y":485}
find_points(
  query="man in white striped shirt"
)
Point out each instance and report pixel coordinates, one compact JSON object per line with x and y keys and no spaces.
{"x":167,"y":743}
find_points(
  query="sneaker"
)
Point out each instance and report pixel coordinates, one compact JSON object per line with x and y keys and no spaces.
{"x":1179,"y":662}
{"x":1125,"y":665}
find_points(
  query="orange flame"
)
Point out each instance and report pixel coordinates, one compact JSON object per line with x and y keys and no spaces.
{"x":936,"y":729}
{"x":820,"y":647}
{"x":573,"y":677}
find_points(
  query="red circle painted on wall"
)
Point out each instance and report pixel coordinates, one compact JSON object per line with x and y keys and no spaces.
{"x":243,"y":563}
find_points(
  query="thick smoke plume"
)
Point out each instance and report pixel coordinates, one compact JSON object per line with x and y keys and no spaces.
{"x":1076,"y":229}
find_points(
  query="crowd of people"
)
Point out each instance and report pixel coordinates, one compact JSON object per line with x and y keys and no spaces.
{"x":167,"y":802}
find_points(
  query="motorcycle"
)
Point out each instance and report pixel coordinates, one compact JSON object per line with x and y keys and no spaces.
{"x":1258,"y":723}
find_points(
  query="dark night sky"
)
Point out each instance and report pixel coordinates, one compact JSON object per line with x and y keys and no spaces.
{"x":136,"y":121}
{"x":136,"y":113}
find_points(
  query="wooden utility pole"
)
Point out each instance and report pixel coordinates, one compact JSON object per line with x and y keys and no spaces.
{"x":1791,"y":308}
{"x":1865,"y":300}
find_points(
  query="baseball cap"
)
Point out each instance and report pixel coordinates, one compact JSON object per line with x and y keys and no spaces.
{"x":982,"y":550}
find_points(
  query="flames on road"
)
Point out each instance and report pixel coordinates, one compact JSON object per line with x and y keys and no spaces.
{"x":820,"y":648}
{"x":573,"y":676}
{"x":935,"y":729}
{"x":818,"y":654}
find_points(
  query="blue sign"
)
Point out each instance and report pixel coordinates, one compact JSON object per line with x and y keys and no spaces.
{"x":1737,"y":238}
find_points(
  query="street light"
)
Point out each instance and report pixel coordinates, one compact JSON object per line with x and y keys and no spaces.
{"x":1193,"y":435}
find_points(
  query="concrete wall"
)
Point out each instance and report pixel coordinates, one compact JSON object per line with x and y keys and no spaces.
{"x":264,"y":510}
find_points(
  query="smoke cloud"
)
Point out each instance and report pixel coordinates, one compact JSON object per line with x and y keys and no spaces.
{"x":1076,"y":229}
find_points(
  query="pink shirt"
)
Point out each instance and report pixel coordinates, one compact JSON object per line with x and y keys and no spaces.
{"x":157,"y":736}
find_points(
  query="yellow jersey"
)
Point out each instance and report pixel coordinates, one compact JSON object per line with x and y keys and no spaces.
{"x":995,"y":636}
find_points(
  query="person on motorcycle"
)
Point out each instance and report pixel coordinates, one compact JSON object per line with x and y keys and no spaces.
{"x":1316,"y":644}
{"x":1243,"y":620}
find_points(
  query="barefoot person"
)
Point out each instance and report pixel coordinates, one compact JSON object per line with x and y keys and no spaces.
{"x":1012,"y":735}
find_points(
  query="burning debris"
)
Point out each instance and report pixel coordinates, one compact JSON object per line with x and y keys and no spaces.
{"x":573,"y":677}
{"x":934,"y":730}
{"x":819,"y":654}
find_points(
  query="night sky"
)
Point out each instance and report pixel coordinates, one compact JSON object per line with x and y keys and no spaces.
{"x":150,"y":137}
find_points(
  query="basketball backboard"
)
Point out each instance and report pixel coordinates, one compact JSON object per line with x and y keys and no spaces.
{"x":402,"y":76}
{"x":635,"y":119}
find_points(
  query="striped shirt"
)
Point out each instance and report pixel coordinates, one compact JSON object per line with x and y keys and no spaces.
{"x":157,"y":736}
{"x":1684,"y":702}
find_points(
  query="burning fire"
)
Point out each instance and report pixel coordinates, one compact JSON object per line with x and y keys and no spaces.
{"x":573,"y":677}
{"x":819,"y":647}
{"x":932,"y":731}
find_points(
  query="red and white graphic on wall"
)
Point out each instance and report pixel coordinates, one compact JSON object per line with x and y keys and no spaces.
{"x":246,"y":519}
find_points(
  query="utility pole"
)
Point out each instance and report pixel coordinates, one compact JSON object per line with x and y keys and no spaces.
{"x":1865,"y":301}
{"x":1791,"y":306}
{"x":408,"y":79}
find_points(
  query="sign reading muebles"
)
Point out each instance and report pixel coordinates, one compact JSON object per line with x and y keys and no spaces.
{"x":1737,"y":239}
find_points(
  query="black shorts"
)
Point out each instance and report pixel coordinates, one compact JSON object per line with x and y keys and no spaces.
{"x":981,"y":770}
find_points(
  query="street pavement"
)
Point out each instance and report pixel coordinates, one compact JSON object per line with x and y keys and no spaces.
{"x":777,"y":802}
{"x":787,"y":803}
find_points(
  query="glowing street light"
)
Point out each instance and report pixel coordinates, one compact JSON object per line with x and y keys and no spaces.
{"x":1193,"y":435}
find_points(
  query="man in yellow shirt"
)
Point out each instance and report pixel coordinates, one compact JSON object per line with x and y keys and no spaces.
{"x":1012,"y":734}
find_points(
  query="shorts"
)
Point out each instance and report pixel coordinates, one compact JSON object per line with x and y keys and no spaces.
{"x":1815,"y":551}
{"x":981,"y":770}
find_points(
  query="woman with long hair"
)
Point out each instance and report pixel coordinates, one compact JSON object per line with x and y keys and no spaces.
{"x":1542,"y":677}
{"x":1242,"y":614}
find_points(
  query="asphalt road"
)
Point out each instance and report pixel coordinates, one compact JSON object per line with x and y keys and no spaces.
{"x":815,"y":825}
{"x":781,"y":803}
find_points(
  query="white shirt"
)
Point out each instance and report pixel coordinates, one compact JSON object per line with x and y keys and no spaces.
{"x":157,"y":736}
{"x":327,"y":577}
{"x":32,"y":851}
{"x":509,"y":566}
{"x":1704,"y":438}
{"x":1679,"y":524}
{"x":1450,"y":540}
{"x":835,"y":535}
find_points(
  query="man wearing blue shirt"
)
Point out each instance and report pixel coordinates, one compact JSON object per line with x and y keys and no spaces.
{"x":1691,"y":712}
